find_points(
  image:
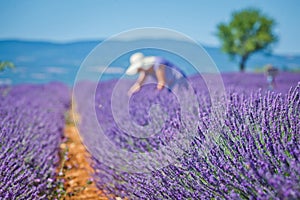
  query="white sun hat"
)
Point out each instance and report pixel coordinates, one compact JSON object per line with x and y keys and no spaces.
{"x":137,"y":61}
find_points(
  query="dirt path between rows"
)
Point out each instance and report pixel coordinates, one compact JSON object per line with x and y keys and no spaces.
{"x":75,"y":169}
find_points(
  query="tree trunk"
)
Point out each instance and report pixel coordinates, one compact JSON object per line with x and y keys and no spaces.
{"x":243,"y":62}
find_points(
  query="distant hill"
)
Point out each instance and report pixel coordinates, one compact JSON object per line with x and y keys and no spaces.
{"x":47,"y":61}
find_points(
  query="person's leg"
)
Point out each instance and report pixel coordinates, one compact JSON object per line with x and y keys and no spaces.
{"x":273,"y":83}
{"x":269,"y":81}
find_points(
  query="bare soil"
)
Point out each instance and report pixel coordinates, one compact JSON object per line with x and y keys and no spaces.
{"x":77,"y":172}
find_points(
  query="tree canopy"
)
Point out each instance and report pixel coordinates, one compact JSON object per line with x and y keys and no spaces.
{"x":248,"y":31}
{"x":5,"y":64}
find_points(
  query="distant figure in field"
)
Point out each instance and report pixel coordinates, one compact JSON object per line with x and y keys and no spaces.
{"x":165,"y":73}
{"x":271,"y":73}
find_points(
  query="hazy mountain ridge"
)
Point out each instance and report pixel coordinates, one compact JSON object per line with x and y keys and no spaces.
{"x":38,"y":61}
{"x":74,"y":52}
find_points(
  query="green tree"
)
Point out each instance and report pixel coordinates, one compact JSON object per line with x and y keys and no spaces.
{"x":5,"y":64}
{"x":247,"y":32}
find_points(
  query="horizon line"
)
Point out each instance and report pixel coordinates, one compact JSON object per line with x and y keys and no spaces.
{"x":73,"y":41}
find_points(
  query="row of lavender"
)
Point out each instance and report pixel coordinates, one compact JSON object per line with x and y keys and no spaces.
{"x":250,"y":150}
{"x":31,"y":130}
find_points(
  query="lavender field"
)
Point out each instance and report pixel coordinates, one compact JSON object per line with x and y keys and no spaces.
{"x":241,"y":145}
{"x":102,"y":100}
{"x":246,"y":147}
{"x":31,"y":130}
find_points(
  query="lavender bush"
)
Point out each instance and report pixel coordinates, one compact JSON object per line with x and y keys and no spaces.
{"x":251,"y":152}
{"x":31,"y":129}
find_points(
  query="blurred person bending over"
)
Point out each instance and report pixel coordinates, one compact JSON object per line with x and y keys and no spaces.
{"x":164,"y":72}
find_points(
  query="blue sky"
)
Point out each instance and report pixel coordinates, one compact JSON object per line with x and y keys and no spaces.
{"x":63,"y":21}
